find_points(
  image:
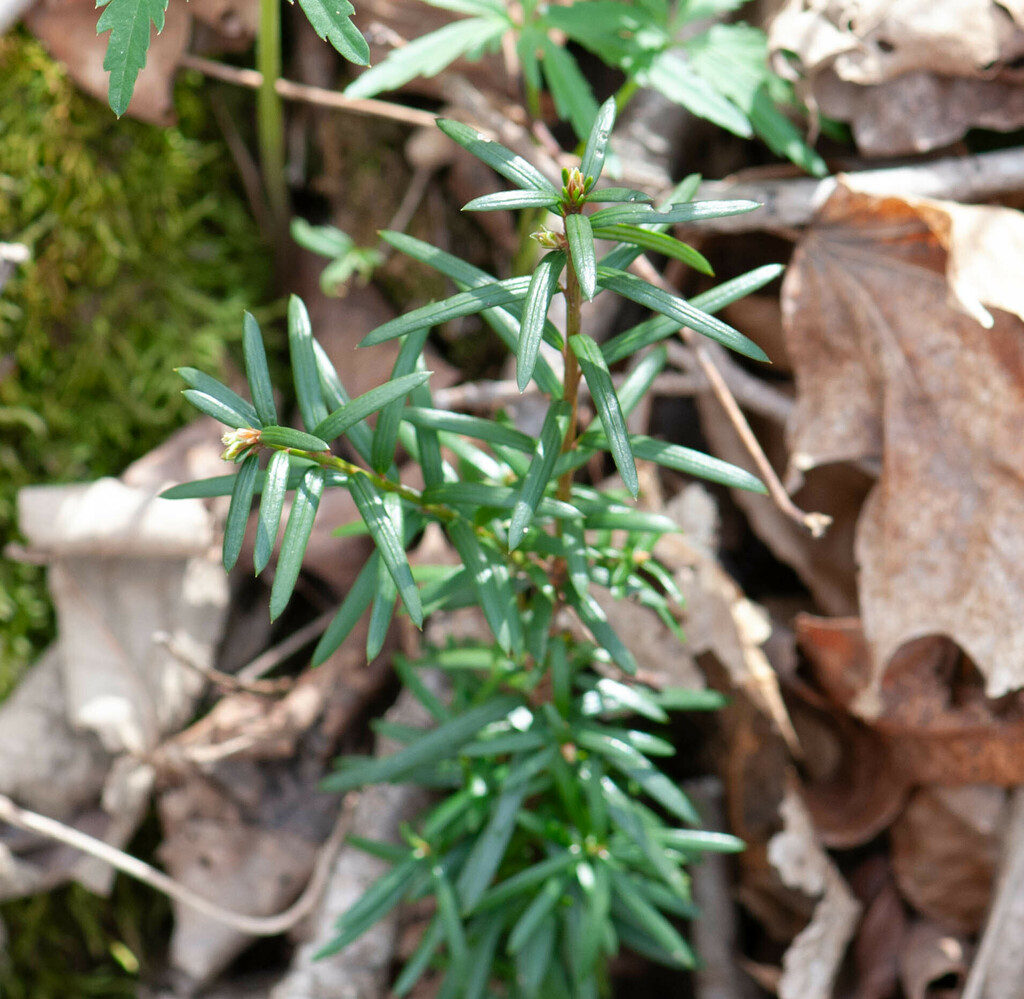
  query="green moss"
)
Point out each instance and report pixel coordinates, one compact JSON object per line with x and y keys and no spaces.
{"x":144,"y":255}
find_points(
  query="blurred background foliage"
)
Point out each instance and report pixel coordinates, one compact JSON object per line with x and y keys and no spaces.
{"x":144,"y":253}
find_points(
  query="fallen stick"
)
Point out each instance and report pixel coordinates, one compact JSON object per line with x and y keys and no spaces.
{"x":792,"y":202}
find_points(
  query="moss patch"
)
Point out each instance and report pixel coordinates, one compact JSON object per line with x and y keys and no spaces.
{"x":144,"y":255}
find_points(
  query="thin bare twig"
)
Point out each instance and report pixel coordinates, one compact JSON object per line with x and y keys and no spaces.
{"x":257,"y":926}
{"x":292,"y":91}
{"x":816,"y":523}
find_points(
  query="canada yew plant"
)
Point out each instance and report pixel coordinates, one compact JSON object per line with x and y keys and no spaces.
{"x":556,"y":839}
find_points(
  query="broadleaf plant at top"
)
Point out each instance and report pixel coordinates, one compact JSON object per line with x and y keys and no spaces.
{"x":555,"y":838}
{"x":720,"y":73}
{"x":129,"y":22}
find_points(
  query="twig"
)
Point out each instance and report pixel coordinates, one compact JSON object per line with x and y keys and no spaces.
{"x":792,"y":202}
{"x":292,"y":91}
{"x":247,"y":678}
{"x":816,"y":523}
{"x":257,"y":926}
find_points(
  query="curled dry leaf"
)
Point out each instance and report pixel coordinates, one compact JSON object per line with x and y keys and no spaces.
{"x":908,"y":76}
{"x":934,"y":720}
{"x":945,"y":848}
{"x":931,"y":955}
{"x":812,"y":961}
{"x":882,"y":306}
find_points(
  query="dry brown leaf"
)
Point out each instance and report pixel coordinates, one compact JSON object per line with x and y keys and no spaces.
{"x":935,"y":723}
{"x":932,"y":955}
{"x":882,"y":929}
{"x":945,"y":847}
{"x":812,"y":961}
{"x":888,"y":366}
{"x":909,"y":75}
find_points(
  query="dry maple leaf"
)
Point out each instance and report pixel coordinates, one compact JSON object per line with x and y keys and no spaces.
{"x":882,"y":305}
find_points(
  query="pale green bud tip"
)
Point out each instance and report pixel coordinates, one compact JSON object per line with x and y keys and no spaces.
{"x":549,"y":239}
{"x":239,"y":442}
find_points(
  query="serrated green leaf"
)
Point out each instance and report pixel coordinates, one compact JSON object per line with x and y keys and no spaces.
{"x":491,"y":579}
{"x":428,"y":55}
{"x":688,"y":212}
{"x":331,"y":21}
{"x":356,"y":410}
{"x":679,"y":310}
{"x":434,"y":745}
{"x":238,"y":511}
{"x":388,"y":540}
{"x":511,"y":200}
{"x":510,"y":165}
{"x":271,"y":505}
{"x":465,"y":303}
{"x":581,"y":248}
{"x":574,"y":100}
{"x":296,"y":537}
{"x":656,"y":242}
{"x":549,"y":446}
{"x":287,"y":437}
{"x":373,"y":905}
{"x":599,"y":381}
{"x":305,"y":371}
{"x":352,"y":608}
{"x":542,"y":286}
{"x":597,"y":146}
{"x":128,"y":22}
{"x":619,"y":33}
{"x":256,"y":371}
